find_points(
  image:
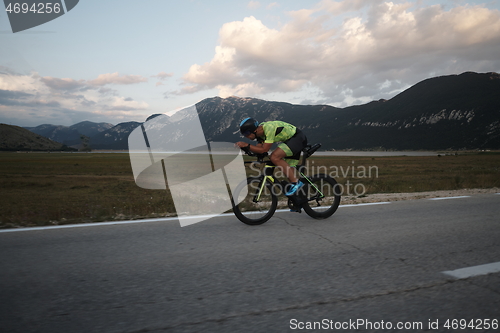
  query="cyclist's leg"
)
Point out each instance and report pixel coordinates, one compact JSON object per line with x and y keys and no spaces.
{"x":289,"y":150}
{"x":278,"y":158}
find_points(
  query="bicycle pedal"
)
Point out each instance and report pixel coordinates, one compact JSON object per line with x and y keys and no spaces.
{"x":296,"y":211}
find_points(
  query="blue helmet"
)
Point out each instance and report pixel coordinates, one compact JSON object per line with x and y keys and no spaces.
{"x":248,"y":126}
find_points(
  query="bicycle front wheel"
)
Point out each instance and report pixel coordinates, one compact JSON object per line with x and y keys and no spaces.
{"x":258,"y":204}
{"x":323,"y":196}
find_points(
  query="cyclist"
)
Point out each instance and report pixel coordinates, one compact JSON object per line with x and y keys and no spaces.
{"x":292,"y":139}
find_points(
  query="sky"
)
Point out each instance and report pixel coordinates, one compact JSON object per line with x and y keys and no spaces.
{"x":119,"y":60}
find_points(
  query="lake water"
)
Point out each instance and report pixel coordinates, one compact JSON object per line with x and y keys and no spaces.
{"x":318,"y":153}
{"x":376,"y":153}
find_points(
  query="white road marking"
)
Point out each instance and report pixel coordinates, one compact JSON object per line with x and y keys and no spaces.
{"x":83,"y":225}
{"x":464,"y":273}
{"x":366,"y":204}
{"x":166,"y":219}
{"x":446,"y":198}
{"x":340,"y":206}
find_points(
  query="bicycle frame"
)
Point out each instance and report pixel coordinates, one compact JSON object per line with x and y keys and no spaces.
{"x":265,"y":200}
{"x":269,"y":176}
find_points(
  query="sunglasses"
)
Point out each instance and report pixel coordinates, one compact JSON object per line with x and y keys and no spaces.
{"x":247,"y":133}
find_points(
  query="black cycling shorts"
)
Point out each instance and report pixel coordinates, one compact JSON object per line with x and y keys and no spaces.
{"x":293,"y":146}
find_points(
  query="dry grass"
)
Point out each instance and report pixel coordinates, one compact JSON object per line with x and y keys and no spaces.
{"x":45,"y":189}
{"x":59,"y":188}
{"x":418,"y":174}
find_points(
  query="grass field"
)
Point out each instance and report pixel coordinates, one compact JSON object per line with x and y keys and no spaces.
{"x":60,"y":188}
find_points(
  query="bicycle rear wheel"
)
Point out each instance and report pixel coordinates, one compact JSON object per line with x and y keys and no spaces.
{"x":323,"y":198}
{"x":258,"y":205}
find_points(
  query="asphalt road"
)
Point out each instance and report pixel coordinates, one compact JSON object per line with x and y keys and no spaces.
{"x":363,"y":269}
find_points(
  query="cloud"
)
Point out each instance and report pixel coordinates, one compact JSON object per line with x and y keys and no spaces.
{"x":163,"y":76}
{"x":66,"y":100}
{"x":8,"y":97}
{"x":115,"y":78}
{"x":63,"y":84}
{"x":19,"y":98}
{"x":340,"y":7}
{"x":272,"y":5}
{"x":253,"y":4}
{"x":107,"y":91}
{"x":368,"y":55}
{"x":127,"y":104}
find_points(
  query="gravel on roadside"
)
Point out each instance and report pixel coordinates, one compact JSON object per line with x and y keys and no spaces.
{"x":381,"y":197}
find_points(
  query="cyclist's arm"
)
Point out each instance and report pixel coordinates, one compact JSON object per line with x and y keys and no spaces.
{"x":259,"y":148}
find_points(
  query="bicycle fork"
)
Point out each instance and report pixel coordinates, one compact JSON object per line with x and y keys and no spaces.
{"x":262,"y":185}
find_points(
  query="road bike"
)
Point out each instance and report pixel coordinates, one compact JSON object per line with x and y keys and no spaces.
{"x":319,"y":197}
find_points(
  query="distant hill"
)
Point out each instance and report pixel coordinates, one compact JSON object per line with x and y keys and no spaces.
{"x":447,"y":112}
{"x":91,"y":129}
{"x":114,"y":138}
{"x":70,"y":135}
{"x":14,"y":138}
{"x":456,"y":111}
{"x":59,"y":133}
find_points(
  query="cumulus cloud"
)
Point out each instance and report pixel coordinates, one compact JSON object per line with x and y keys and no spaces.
{"x":127,"y":104}
{"x":63,"y":84}
{"x":253,"y":4}
{"x":162,"y":75}
{"x":29,"y":98}
{"x":272,"y":5}
{"x":364,"y":56}
{"x":8,"y":97}
{"x":115,"y":78}
{"x":340,"y":7}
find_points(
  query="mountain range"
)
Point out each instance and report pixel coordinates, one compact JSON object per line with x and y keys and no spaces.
{"x":71,"y":135}
{"x":15,"y":138}
{"x":446,"y":112}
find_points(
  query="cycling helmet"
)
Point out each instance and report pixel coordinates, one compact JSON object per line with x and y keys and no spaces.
{"x":248,"y":126}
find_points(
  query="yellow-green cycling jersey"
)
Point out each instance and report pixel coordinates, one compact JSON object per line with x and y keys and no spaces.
{"x":277,"y":131}
{"x":291,"y":138}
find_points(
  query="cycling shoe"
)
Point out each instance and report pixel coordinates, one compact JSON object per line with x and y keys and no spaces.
{"x":294,"y":188}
